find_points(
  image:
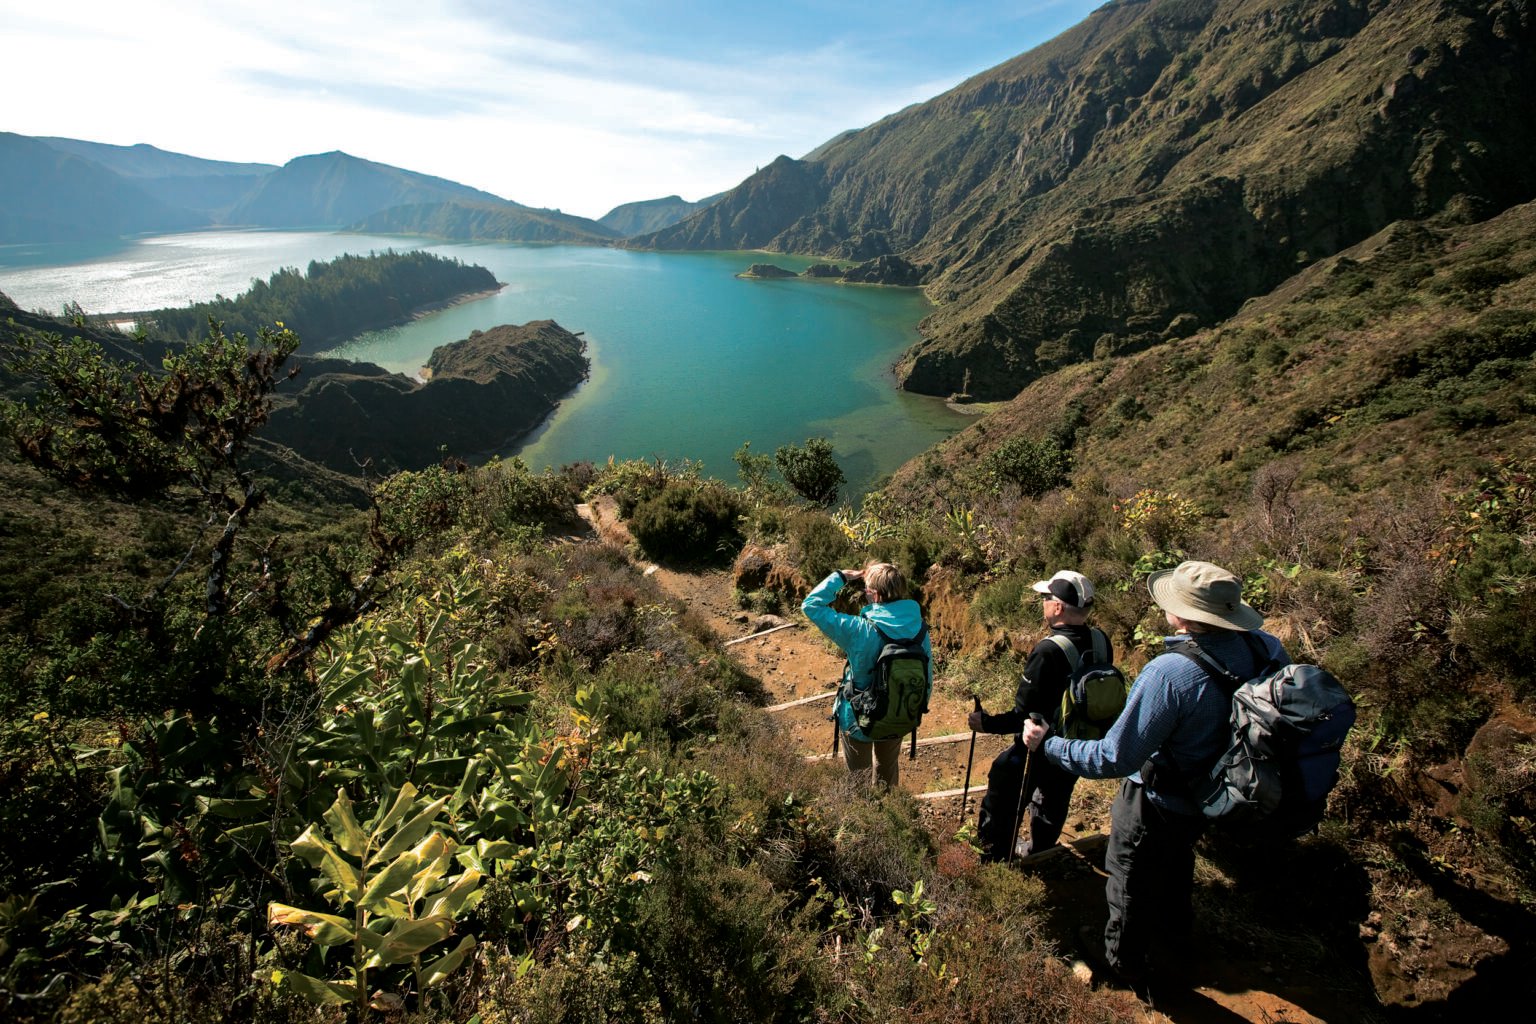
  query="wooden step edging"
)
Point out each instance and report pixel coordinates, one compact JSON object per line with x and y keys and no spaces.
{"x":958,"y":737}
{"x":759,"y":633}
{"x":802,"y":700}
{"x":945,"y":794}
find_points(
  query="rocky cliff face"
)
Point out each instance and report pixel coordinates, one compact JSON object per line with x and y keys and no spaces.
{"x":1151,"y":169}
{"x":485,"y":392}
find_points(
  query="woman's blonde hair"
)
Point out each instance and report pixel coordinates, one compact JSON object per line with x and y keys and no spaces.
{"x":886,"y":580}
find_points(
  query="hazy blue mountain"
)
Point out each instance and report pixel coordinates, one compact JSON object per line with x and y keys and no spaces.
{"x":498,"y":221}
{"x":146,"y":161}
{"x":207,"y":187}
{"x":653,"y":214}
{"x":49,"y":195}
{"x":336,"y":189}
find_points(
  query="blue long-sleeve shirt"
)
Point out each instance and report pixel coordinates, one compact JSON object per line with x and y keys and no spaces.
{"x":859,"y":637}
{"x":1176,"y":716}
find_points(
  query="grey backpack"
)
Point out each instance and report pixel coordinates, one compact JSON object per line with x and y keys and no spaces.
{"x":1288,"y":726}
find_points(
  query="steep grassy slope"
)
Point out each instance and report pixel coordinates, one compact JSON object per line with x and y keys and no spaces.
{"x":1405,"y":361}
{"x":650,"y":215}
{"x":1149,"y":170}
{"x":1359,"y":445}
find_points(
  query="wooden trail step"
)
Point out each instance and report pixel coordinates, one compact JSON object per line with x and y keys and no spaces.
{"x":1079,"y":848}
{"x":802,"y":700}
{"x":945,"y":794}
{"x":760,"y":633}
{"x":956,"y":737}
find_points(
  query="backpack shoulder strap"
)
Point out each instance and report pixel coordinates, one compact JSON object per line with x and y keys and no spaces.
{"x":1264,"y":662}
{"x":1068,"y":648}
{"x":918,"y":639}
{"x":1100,"y":645}
{"x":1218,"y":672}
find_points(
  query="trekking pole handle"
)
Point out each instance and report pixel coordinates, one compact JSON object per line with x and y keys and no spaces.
{"x":1036,"y":718}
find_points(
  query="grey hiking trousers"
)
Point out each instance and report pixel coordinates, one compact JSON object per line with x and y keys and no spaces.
{"x":1151,"y":865}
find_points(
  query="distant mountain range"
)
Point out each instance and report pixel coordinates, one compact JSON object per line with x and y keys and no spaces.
{"x":55,"y":189}
{"x":1150,"y":170}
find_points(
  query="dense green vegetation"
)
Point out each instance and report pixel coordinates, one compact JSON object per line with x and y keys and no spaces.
{"x":435,"y":759}
{"x":486,"y":773}
{"x":331,"y":301}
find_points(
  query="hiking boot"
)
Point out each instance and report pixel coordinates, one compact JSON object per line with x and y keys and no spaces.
{"x":1090,"y":941}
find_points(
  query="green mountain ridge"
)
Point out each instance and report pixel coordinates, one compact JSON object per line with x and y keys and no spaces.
{"x":149,"y":162}
{"x":1152,"y":168}
{"x":485,"y":221}
{"x":651,"y":215}
{"x":336,"y":189}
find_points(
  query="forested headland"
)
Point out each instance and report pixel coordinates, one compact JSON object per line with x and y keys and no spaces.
{"x":331,"y":301}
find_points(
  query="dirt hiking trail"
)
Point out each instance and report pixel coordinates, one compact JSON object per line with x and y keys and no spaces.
{"x":799,"y":668}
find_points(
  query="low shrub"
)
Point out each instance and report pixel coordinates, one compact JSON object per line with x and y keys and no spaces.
{"x":811,"y":470}
{"x":915,"y":546}
{"x":417,"y":507}
{"x":634,"y":480}
{"x":1009,"y":603}
{"x":1035,"y":467}
{"x":509,"y":495}
{"x":817,"y":545}
{"x":689,"y":525}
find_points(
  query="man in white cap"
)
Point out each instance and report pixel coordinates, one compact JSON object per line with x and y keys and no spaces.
{"x":1067,"y":598}
{"x":1174,"y":727}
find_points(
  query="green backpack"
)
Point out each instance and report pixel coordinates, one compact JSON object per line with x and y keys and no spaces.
{"x":1095,"y":695}
{"x":897,"y":696}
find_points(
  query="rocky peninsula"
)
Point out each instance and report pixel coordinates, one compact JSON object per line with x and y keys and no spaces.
{"x":485,"y":392}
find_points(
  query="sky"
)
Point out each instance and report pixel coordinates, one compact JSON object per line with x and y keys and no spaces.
{"x":576,"y":105}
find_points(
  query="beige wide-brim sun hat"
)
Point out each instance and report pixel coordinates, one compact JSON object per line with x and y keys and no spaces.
{"x":1202,"y":592}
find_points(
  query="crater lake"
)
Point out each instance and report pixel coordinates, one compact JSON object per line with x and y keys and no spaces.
{"x":688,"y":360}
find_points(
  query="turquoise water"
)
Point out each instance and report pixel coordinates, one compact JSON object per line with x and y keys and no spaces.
{"x":688,"y":361}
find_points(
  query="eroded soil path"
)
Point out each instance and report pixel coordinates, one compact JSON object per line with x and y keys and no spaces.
{"x":793,"y":662}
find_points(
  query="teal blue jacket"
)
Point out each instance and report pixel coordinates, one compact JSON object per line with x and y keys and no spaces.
{"x":859,"y":640}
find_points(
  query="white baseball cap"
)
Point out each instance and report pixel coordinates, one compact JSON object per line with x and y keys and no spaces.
{"x":1072,"y":588}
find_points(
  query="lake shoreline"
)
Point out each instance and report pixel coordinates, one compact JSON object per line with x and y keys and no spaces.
{"x":688,"y":361}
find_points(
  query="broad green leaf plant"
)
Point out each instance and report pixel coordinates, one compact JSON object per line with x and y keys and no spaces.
{"x":399,"y":890}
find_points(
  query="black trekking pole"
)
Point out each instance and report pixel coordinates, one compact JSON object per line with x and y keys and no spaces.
{"x":1027,"y":786}
{"x":966,"y":792}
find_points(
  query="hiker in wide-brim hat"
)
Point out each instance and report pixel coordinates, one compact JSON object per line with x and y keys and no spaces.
{"x":1204,"y":593}
{"x":1174,"y":727}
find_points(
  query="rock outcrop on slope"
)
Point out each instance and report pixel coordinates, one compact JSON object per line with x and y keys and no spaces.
{"x":1151,"y":169}
{"x":484,"y":393}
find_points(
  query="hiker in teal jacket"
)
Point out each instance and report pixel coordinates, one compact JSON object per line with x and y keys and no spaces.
{"x":889,"y":609}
